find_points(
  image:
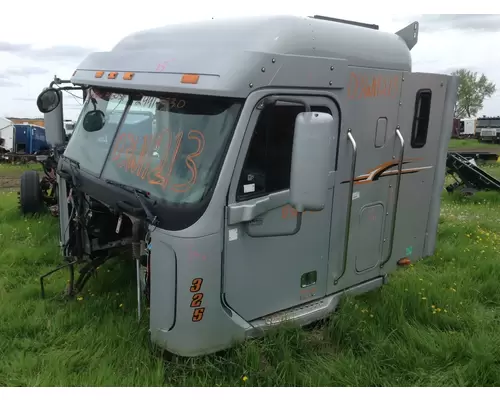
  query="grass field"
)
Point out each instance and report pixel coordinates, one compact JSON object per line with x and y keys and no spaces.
{"x":473,"y":145}
{"x":435,"y":323}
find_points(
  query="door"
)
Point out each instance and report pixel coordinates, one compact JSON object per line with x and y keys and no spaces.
{"x":273,"y":260}
{"x":420,"y":120}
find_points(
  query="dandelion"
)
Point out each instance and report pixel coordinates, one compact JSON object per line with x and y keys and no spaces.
{"x":79,"y":298}
{"x":433,"y":306}
{"x":121,"y":305}
{"x":244,"y":378}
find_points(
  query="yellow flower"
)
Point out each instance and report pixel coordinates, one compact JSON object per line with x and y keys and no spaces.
{"x":433,"y":306}
{"x":79,"y":298}
{"x":244,"y":378}
{"x":121,"y":305}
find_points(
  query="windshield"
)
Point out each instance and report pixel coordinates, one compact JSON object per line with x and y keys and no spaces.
{"x":170,"y":146}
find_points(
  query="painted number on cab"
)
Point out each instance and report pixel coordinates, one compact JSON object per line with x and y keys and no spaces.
{"x":196,"y":300}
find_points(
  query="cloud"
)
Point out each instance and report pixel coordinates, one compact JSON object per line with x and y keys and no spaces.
{"x":463,"y":22}
{"x":60,"y":52}
{"x":4,"y":82}
{"x":24,"y":71}
{"x":52,"y":53}
{"x":13,"y":47}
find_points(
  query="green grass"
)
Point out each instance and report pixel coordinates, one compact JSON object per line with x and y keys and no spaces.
{"x":464,"y":144}
{"x":435,"y":324}
{"x":8,"y":169}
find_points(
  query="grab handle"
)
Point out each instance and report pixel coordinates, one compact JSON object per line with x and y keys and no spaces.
{"x":396,"y":199}
{"x":351,"y":140}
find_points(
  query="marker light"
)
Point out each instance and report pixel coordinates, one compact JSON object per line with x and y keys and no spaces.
{"x":190,"y":78}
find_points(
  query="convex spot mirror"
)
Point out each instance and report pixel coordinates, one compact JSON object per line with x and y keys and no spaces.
{"x":94,"y":121}
{"x":48,"y":100}
{"x":312,"y":156}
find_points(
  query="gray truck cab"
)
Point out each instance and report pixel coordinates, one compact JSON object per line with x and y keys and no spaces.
{"x":276,"y":163}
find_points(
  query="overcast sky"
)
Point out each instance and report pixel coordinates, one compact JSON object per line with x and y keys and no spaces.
{"x":48,"y":40}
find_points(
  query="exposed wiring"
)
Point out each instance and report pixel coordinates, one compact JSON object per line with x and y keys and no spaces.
{"x":72,"y":94}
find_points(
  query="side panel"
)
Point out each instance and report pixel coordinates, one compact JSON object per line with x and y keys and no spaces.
{"x":417,"y":180}
{"x":371,"y":112}
{"x":439,"y":175}
{"x":187,"y":316}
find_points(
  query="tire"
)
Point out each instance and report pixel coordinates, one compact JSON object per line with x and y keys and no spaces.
{"x":468,"y":192}
{"x":30,"y":194}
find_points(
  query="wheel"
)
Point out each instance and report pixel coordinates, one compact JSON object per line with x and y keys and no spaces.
{"x":30,"y":194}
{"x":468,"y":192}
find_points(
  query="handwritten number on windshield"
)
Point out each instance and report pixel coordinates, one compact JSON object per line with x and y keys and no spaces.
{"x":190,"y":164}
{"x":127,"y":145}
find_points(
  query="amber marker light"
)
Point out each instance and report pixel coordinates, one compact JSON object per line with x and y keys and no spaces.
{"x":190,"y":78}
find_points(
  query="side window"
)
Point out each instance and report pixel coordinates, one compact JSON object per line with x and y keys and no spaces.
{"x":269,"y":157}
{"x":421,"y":118}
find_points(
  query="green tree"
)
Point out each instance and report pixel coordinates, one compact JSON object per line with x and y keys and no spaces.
{"x":472,"y":90}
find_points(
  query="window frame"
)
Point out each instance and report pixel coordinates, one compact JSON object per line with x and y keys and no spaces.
{"x":417,"y":119}
{"x":314,"y":102}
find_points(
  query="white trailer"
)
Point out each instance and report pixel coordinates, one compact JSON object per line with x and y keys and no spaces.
{"x":467,"y":127}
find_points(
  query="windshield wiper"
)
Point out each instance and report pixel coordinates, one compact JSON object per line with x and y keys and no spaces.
{"x":140,"y":195}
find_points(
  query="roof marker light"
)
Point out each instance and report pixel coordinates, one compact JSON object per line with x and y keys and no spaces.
{"x":190,"y":78}
{"x":128,"y":76}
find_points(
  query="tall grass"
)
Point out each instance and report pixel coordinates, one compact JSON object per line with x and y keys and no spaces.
{"x":435,"y":323}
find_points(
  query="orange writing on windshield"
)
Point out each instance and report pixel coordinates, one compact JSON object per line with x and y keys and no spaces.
{"x":167,"y":150}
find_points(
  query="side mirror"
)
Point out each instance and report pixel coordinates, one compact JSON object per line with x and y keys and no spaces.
{"x":48,"y":100}
{"x":94,"y":121}
{"x":312,"y":156}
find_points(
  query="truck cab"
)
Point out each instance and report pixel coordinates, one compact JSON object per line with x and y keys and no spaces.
{"x":264,"y":167}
